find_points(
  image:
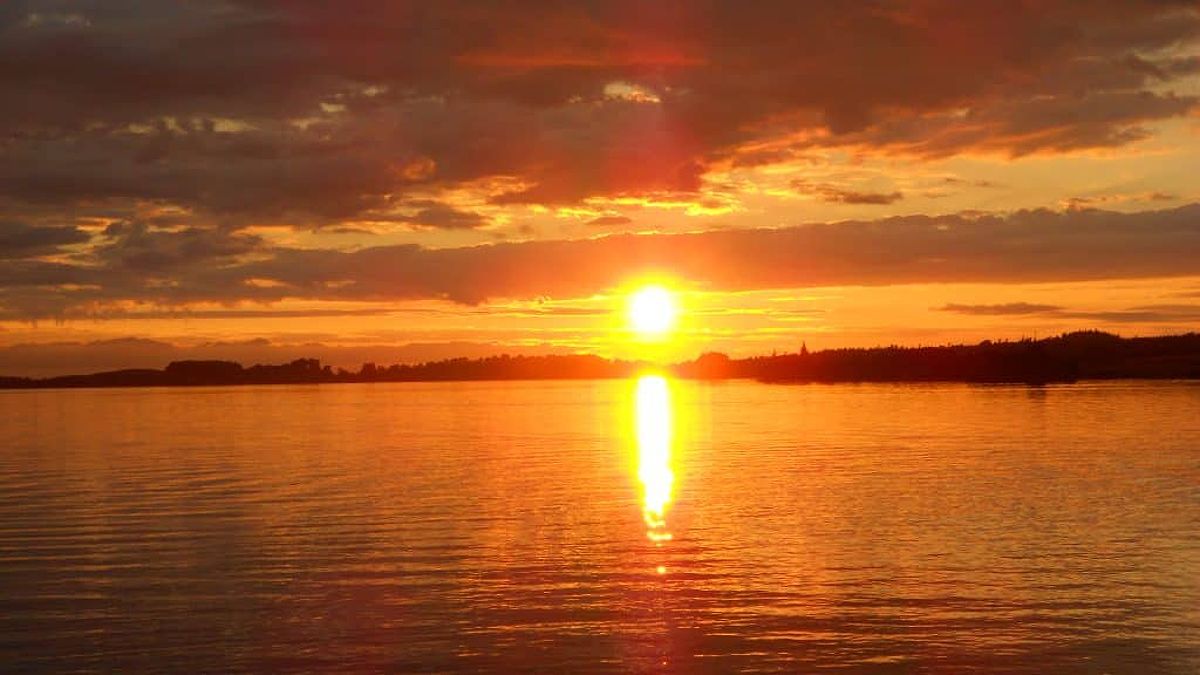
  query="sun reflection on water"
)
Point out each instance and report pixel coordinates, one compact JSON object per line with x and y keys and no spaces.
{"x":654,"y":428}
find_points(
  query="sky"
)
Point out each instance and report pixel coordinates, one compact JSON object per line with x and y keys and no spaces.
{"x":262,"y":180}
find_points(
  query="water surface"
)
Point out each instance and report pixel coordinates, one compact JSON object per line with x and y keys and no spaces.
{"x":625,"y":526}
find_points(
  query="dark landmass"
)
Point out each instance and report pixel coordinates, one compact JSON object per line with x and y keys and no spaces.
{"x":1088,"y":355}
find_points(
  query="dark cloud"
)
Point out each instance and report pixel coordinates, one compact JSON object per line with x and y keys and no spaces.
{"x":1099,"y":200}
{"x":607,"y":221}
{"x":852,"y":197}
{"x":140,"y":248}
{"x":1142,"y":314}
{"x":18,"y":240}
{"x":1027,"y":246}
{"x":1162,"y":313}
{"x":442,"y":217}
{"x":311,"y":113}
{"x":1063,"y":123}
{"x":32,"y":273}
{"x":264,"y":313}
{"x":955,"y":180}
{"x":837,"y":195}
{"x":1006,"y":309}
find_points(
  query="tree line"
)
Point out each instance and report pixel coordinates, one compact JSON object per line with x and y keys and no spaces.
{"x":1065,"y":358}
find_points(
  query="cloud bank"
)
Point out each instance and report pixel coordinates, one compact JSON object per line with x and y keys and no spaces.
{"x":175,"y":268}
{"x":310,"y":112}
{"x":147,"y":146}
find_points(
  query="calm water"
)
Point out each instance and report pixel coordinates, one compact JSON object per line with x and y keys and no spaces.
{"x":627,"y":526}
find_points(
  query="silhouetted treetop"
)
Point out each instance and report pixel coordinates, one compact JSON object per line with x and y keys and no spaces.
{"x":1065,"y":358}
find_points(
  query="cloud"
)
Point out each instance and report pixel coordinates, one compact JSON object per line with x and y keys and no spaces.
{"x":1006,"y":309}
{"x":143,"y":249}
{"x":1026,"y":246}
{"x":241,"y":313}
{"x":18,"y":240}
{"x":1061,"y":123}
{"x":143,"y":139}
{"x":442,"y":217}
{"x":309,"y":114}
{"x":1116,"y":198}
{"x":955,"y":180}
{"x":834,"y":194}
{"x":1142,"y":314}
{"x":604,"y":221}
{"x":1160,"y":313}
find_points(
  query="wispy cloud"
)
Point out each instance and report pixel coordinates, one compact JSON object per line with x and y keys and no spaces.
{"x":841,"y":195}
{"x":1004,"y":309}
{"x":1161,"y":313}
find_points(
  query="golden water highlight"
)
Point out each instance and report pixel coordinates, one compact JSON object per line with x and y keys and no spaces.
{"x":654,"y":438}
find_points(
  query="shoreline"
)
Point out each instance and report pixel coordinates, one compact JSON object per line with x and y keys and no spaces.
{"x":1072,"y":357}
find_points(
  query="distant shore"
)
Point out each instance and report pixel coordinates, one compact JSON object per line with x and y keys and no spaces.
{"x":1087,"y":355}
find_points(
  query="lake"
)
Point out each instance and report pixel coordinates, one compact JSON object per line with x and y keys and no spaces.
{"x":646,"y":526}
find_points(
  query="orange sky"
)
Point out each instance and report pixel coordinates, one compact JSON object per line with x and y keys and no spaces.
{"x":263,"y":180}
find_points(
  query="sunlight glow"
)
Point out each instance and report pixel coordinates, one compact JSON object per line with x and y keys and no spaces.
{"x":652,"y":311}
{"x":653,"y":420}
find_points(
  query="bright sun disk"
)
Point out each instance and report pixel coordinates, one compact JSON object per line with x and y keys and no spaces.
{"x":652,"y":311}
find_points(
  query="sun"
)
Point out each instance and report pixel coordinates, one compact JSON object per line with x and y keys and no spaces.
{"x":652,"y":311}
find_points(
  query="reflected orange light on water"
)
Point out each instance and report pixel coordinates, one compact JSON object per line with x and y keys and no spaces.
{"x":654,"y":430}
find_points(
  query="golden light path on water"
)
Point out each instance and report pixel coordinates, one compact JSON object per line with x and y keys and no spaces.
{"x":652,"y":419}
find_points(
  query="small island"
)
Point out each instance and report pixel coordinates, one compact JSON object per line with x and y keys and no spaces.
{"x":1086,"y":355}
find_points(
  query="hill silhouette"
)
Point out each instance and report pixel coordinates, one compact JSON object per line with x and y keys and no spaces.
{"x":1083,"y":355}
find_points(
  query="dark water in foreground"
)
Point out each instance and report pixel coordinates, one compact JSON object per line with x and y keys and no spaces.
{"x":602,"y":526}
